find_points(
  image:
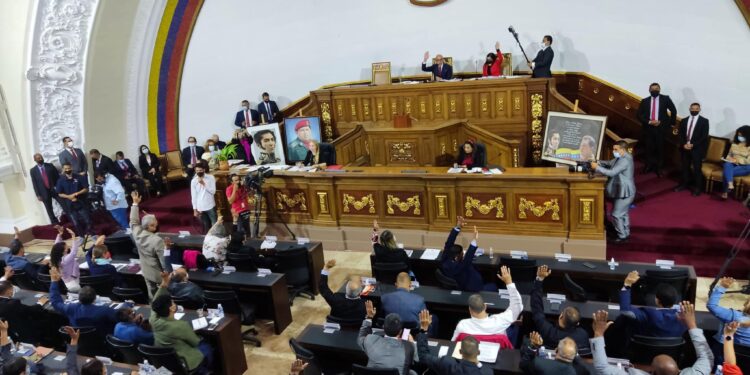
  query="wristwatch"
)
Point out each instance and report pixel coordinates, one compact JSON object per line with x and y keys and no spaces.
{"x":728,"y":338}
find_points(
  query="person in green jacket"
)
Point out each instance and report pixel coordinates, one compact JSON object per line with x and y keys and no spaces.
{"x":170,"y":332}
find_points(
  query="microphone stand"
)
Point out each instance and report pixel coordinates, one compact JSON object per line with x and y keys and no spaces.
{"x":515,"y":36}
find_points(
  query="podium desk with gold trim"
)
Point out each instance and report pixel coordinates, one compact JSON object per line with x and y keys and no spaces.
{"x":522,"y":201}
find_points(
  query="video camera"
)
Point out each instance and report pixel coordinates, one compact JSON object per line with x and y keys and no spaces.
{"x":583,"y":166}
{"x":256,"y":179}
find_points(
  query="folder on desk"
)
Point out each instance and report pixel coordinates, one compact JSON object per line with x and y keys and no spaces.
{"x":431,"y":254}
{"x":487,"y":351}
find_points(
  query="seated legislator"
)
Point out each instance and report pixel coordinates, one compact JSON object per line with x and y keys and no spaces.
{"x":99,"y":261}
{"x":151,"y":169}
{"x":129,"y":328}
{"x":181,"y":287}
{"x":471,"y":155}
{"x":567,"y":322}
{"x":191,"y":156}
{"x":389,"y":350}
{"x":565,"y":354}
{"x":491,"y":328}
{"x":320,"y":155}
{"x":218,"y":142}
{"x":447,"y":365}
{"x":727,"y":315}
{"x":63,"y":257}
{"x":402,"y":302}
{"x":343,"y":305}
{"x":493,"y":65}
{"x":246,"y":117}
{"x":84,"y":312}
{"x":459,"y":266}
{"x":16,"y":257}
{"x":656,"y":322}
{"x":385,"y":247}
{"x":20,"y":315}
{"x":210,"y":150}
{"x":125,"y":171}
{"x":440,"y":70}
{"x":738,"y":159}
{"x":244,"y":146}
{"x":661,"y":364}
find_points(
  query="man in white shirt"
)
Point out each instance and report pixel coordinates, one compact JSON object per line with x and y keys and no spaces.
{"x":202,"y":190}
{"x":491,"y":328}
{"x":114,"y":198}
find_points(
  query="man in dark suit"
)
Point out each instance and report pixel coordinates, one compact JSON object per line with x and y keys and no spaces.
{"x":565,"y":354}
{"x":102,"y":163}
{"x":125,"y":171}
{"x":73,"y":156}
{"x":191,"y":155}
{"x":447,"y":365}
{"x":567,"y":324}
{"x":440,"y":70}
{"x":27,"y":321}
{"x":44,"y":177}
{"x":653,"y":116}
{"x":620,"y":187}
{"x":543,"y":60}
{"x":459,"y":266}
{"x":181,"y":287}
{"x":268,"y":110}
{"x":343,"y":305}
{"x":693,"y":135}
{"x":246,"y":117}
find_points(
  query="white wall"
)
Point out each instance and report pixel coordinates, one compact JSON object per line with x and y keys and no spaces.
{"x":697,"y":49}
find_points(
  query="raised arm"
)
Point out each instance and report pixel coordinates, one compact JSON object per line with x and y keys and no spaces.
{"x":423,"y":348}
{"x":545,"y":328}
{"x":705,"y":357}
{"x":135,"y":220}
{"x":599,"y":326}
{"x":516,"y":303}
{"x":625,"y":305}
{"x":325,"y":290}
{"x":71,"y":355}
{"x":366,"y":327}
{"x":729,"y":330}
{"x":722,"y":313}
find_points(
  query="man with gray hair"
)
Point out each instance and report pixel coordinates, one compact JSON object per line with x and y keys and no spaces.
{"x":151,"y":247}
{"x":343,"y":305}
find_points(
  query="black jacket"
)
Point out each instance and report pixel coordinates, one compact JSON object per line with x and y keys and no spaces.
{"x":543,"y":63}
{"x":665,"y":103}
{"x":121,"y":173}
{"x":38,"y":182}
{"x":106,"y":165}
{"x":326,"y":155}
{"x":447,"y":365}
{"x":155,"y":163}
{"x":700,"y":135}
{"x":274,"y":116}
{"x":479,"y":155}
{"x":551,"y":333}
{"x":187,"y":157}
{"x":342,"y":307}
{"x":384,"y":255}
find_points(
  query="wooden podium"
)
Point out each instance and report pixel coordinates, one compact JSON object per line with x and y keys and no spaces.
{"x":402,"y":121}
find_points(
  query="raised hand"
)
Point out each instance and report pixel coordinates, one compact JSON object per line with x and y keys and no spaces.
{"x":375,"y":225}
{"x":71,"y":233}
{"x":165,"y":278}
{"x":600,"y":323}
{"x":136,"y":197}
{"x":476,"y":234}
{"x":726,"y":282}
{"x":687,"y":314}
{"x":542,"y":272}
{"x":73,"y":333}
{"x":4,"y":326}
{"x":730,"y":328}
{"x":298,"y":366}
{"x":16,"y":232}
{"x":370,"y":309}
{"x":536,"y":339}
{"x":8,"y":272}
{"x":497,"y":45}
{"x":100,"y":240}
{"x":168,"y":242}
{"x":330,"y":264}
{"x":460,"y":221}
{"x":505,"y":275}
{"x":60,"y":230}
{"x":425,"y":319}
{"x":632,"y":278}
{"x":426,"y":56}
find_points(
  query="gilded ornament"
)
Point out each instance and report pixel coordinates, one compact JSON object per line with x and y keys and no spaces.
{"x":467,"y":103}
{"x":484,"y":104}
{"x":517,"y":103}
{"x":354,"y":110}
{"x":475,"y":204}
{"x":442,"y":205}
{"x":408,"y":106}
{"x":539,"y":211}
{"x":500,"y":103}
{"x":587,"y":212}
{"x":297,"y":199}
{"x":437,"y":105}
{"x":366,"y":108}
{"x":452,"y":105}
{"x":323,"y":202}
{"x":358,"y":205}
{"x":403,"y":206}
{"x":325,"y":110}
{"x":402,"y":152}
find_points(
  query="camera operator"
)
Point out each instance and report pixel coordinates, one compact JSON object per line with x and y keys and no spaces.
{"x":620,"y":187}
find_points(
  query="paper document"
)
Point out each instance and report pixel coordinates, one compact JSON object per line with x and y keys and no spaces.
{"x":496,"y":171}
{"x":487,"y":351}
{"x":178,"y":315}
{"x":443,"y":351}
{"x":199,"y":323}
{"x":455,"y":170}
{"x":431,"y":254}
{"x":409,"y":252}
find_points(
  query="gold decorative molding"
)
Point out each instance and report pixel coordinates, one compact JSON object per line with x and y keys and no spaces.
{"x":539,"y":211}
{"x":339,"y":110}
{"x":437,"y":105}
{"x":455,"y":145}
{"x":380,"y":108}
{"x":500,"y":103}
{"x":402,"y":152}
{"x":484,"y":104}
{"x":580,"y":84}
{"x":484,"y":209}
{"x":467,"y":104}
{"x":358,"y":205}
{"x":393,"y":108}
{"x":323,"y":202}
{"x":442,"y":149}
{"x":403,"y":206}
{"x":408,"y":105}
{"x":596,"y":90}
{"x":627,"y":106}
{"x":453,"y":105}
{"x":611,"y":98}
{"x":325,"y":110}
{"x":354,"y":109}
{"x":366,"y":108}
{"x":367,"y":148}
{"x":537,"y":110}
{"x":587,"y":210}
{"x":515,"y":157}
{"x":517,"y":103}
{"x":422,"y":107}
{"x":297,"y":199}
{"x":441,"y":201}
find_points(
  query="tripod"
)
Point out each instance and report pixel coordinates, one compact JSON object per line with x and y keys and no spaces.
{"x":733,"y":252}
{"x":256,"y":182}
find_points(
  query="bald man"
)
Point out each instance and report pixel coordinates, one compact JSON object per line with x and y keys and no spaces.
{"x":565,"y":354}
{"x":181,"y":287}
{"x":661,"y":364}
{"x":567,"y":322}
{"x":343,"y":305}
{"x":440,"y":69}
{"x":447,"y":365}
{"x":402,"y":302}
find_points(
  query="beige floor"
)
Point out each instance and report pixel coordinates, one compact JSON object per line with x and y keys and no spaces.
{"x":274,"y":357}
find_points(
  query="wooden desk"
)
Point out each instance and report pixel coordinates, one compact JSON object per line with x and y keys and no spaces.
{"x":600,"y":279}
{"x":521,"y":201}
{"x":53,"y":366}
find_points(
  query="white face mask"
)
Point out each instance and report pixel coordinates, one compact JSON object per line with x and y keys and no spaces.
{"x":741,"y":138}
{"x":70,"y":144}
{"x":211,"y":148}
{"x":192,"y":144}
{"x":543,"y":45}
{"x":145,"y":151}
{"x":617,"y":154}
{"x":245,"y":107}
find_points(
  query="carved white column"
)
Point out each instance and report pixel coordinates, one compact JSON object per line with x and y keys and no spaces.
{"x":57,"y":66}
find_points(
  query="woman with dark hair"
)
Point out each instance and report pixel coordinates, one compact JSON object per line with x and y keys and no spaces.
{"x":63,"y":257}
{"x":737,"y":162}
{"x":150,"y":167}
{"x":385,"y":247}
{"x":493,"y":65}
{"x":244,"y":146}
{"x":470,"y":156}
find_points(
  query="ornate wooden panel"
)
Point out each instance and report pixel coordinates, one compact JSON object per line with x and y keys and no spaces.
{"x":539,"y":207}
{"x":484,"y":206}
{"x":358,"y":202}
{"x":291,"y":200}
{"x":404,"y":203}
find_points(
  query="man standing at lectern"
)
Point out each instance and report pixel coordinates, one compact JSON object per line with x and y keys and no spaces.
{"x":653,"y":116}
{"x":543,"y":61}
{"x":440,"y":70}
{"x":620,"y":187}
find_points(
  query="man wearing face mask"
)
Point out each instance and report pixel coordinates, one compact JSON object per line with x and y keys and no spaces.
{"x":543,"y":61}
{"x":440,"y":70}
{"x":693,"y":135}
{"x":101,"y":163}
{"x":656,"y":114}
{"x":125,"y":171}
{"x":191,"y":155}
{"x":268,"y":110}
{"x":73,"y":156}
{"x":151,"y":169}
{"x":72,"y":188}
{"x":246,"y":117}
{"x":620,"y":187}
{"x":151,"y":247}
{"x":202,"y":190}
{"x":44,"y":177}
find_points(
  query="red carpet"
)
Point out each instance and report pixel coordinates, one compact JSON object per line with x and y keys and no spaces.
{"x":689,"y":230}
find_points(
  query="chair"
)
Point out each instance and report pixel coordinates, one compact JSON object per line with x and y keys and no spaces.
{"x":523,"y":272}
{"x":742,"y":353}
{"x":295,"y":265}
{"x":576,"y":292}
{"x":643,"y":349}
{"x":445,"y":281}
{"x":313,"y":368}
{"x":164,"y":357}
{"x":133,"y":294}
{"x":381,"y":73}
{"x":386,"y":273}
{"x":328,"y":152}
{"x":24,"y":281}
{"x":121,"y":246}
{"x":345,"y":323}
{"x":507,"y":67}
{"x":646,"y":292}
{"x":231,"y":305}
{"x":362,"y":370}
{"x":481,"y":151}
{"x":102,"y":284}
{"x":243,"y":262}
{"x":125,"y":351}
{"x":90,"y":342}
{"x":44,"y":281}
{"x":173,"y":167}
{"x":712,"y":166}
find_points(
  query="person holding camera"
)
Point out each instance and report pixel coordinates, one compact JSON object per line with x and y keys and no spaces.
{"x":620,"y":187}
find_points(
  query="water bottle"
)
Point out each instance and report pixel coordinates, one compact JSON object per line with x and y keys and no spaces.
{"x":492,"y":253}
{"x":221,"y":311}
{"x":144,"y":368}
{"x":719,"y":370}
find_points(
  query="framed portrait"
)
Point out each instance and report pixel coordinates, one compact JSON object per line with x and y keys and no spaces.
{"x":267,"y":148}
{"x":572,"y":137}
{"x":299,"y":132}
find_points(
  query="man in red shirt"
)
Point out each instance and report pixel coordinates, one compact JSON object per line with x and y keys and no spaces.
{"x":237,"y":197}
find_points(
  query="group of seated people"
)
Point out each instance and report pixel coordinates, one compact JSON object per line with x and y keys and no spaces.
{"x":575,"y":351}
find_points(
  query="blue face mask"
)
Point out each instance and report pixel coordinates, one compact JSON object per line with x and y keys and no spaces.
{"x":617,"y":154}
{"x":741,"y":138}
{"x":102,"y":261}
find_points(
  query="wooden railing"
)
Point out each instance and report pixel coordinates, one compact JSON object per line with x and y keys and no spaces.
{"x":352,"y":147}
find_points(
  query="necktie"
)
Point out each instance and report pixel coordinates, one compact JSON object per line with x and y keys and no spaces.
{"x":75,"y":155}
{"x":44,"y":176}
{"x":193,"y":160}
{"x":247,"y":118}
{"x":653,"y":109}
{"x":440,"y":71}
{"x":124,"y":166}
{"x":690,"y":129}
{"x":268,"y":112}
{"x":98,"y":161}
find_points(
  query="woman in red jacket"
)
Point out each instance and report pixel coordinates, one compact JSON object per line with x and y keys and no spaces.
{"x":493,"y":66}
